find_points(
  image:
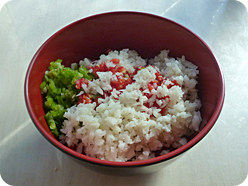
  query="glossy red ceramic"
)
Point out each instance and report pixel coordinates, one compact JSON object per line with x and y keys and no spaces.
{"x":148,"y":35}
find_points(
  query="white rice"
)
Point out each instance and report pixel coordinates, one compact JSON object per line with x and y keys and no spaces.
{"x":124,"y":129}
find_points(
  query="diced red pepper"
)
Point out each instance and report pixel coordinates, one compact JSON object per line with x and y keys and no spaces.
{"x":115,"y":61}
{"x":84,"y":98}
{"x":137,"y":69}
{"x":160,"y":78}
{"x":112,"y":69}
{"x":147,"y":105}
{"x":122,"y":70}
{"x":128,"y":81}
{"x":81,"y":81}
{"x":174,"y":83}
{"x":150,"y":87}
{"x":123,"y":79}
{"x":163,"y":110}
{"x":119,"y":84}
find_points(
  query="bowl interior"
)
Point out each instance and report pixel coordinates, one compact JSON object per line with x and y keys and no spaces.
{"x":147,"y":34}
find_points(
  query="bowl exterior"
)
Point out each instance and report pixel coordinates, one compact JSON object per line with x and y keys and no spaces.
{"x":127,"y":171}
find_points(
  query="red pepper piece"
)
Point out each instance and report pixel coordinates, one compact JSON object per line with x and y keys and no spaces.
{"x":81,"y":81}
{"x":115,"y":61}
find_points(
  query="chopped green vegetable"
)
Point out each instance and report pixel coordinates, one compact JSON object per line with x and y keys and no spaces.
{"x":59,"y":92}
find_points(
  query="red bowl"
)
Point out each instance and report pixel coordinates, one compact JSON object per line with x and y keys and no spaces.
{"x":148,"y":35}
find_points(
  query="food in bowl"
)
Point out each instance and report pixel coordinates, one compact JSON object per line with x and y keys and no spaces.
{"x":122,"y":107}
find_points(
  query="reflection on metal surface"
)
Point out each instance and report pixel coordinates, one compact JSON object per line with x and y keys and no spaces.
{"x":170,"y":7}
{"x":14,"y":132}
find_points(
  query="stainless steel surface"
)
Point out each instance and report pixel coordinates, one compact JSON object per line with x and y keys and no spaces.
{"x":26,"y":158}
